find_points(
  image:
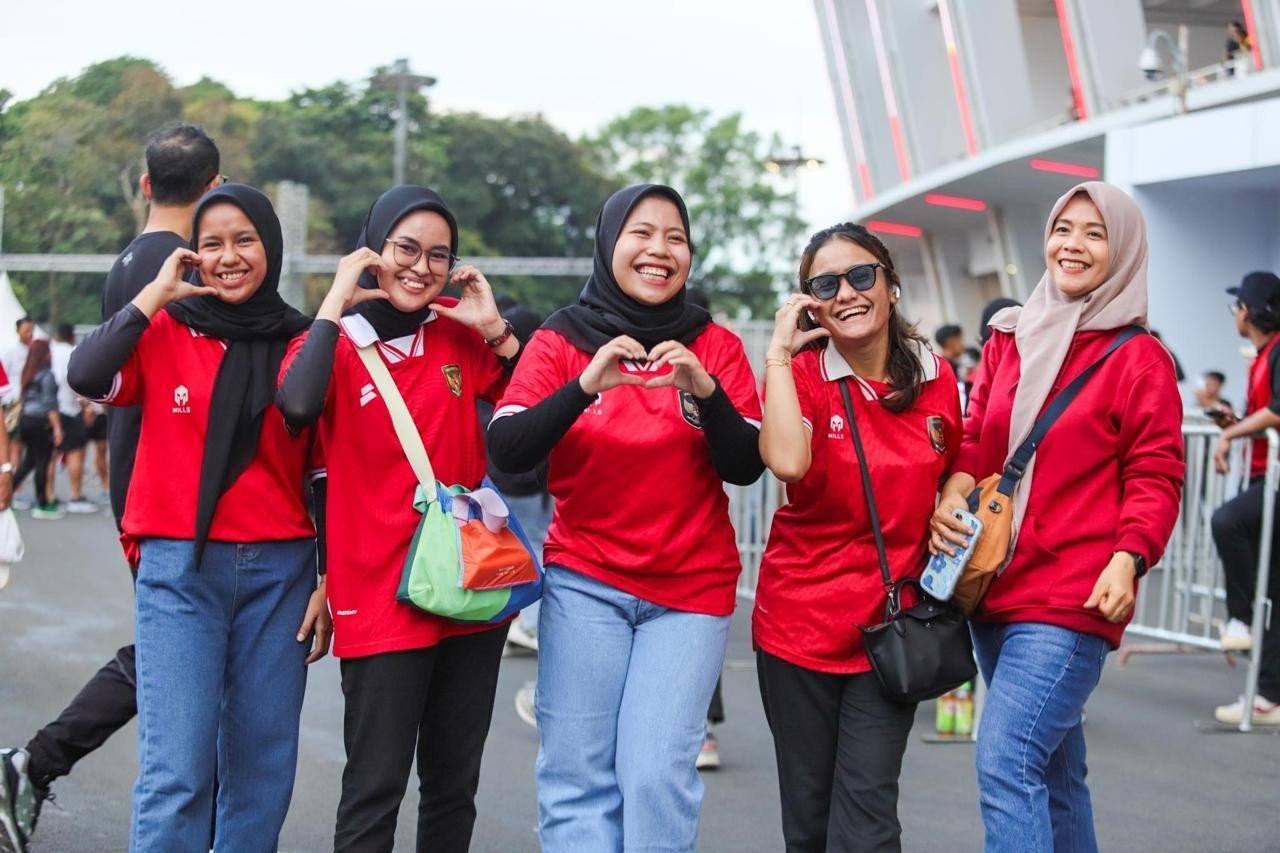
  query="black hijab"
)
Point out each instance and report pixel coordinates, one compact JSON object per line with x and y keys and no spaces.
{"x":390,"y":207}
{"x":603,"y":311}
{"x":257,"y":332}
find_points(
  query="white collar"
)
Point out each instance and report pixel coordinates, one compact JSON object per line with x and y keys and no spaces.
{"x":361,"y":331}
{"x":834,"y":367}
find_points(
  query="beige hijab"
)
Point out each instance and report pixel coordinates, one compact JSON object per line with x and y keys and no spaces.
{"x":1044,"y":327}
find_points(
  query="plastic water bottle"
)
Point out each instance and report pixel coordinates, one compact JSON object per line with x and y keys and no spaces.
{"x":964,"y":709}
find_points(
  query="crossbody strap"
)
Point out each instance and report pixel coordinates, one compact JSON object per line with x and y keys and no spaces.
{"x":1017,"y":464}
{"x":867,"y":491}
{"x":406,"y":430}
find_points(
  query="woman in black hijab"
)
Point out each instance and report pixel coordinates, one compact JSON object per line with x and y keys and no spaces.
{"x":414,"y":683}
{"x":217,"y":515}
{"x":646,"y":408}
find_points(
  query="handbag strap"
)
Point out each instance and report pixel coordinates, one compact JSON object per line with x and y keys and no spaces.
{"x":1017,"y":464}
{"x":869,"y":493}
{"x":406,"y":430}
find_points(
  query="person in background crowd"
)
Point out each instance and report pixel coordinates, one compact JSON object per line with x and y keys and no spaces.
{"x":182,"y":164}
{"x":1237,"y":524}
{"x":646,"y":409}
{"x":74,"y":431}
{"x":41,"y":428}
{"x":415,"y":684}
{"x":950,"y":341}
{"x":1208,"y":393}
{"x":95,"y":421}
{"x":228,"y":613}
{"x":1095,"y":507}
{"x":1178,"y":373}
{"x":839,"y":741}
{"x":13,"y":360}
{"x":989,"y":310}
{"x":1238,"y":45}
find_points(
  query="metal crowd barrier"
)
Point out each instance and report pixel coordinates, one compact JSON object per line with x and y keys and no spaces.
{"x":1181,"y":602}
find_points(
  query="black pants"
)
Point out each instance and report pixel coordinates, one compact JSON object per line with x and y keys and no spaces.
{"x":439,"y":700}
{"x":37,"y":450}
{"x":839,"y":745}
{"x":1237,"y":532}
{"x":106,"y":704}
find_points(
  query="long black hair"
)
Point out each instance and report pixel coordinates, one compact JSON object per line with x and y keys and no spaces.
{"x":906,"y":374}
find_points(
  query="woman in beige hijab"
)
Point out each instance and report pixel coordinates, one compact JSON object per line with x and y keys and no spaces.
{"x":1094,"y":509}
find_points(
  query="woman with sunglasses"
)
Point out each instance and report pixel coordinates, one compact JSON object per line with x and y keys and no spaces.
{"x":646,"y":408}
{"x":226,"y":583}
{"x":415,"y":683}
{"x":839,"y":742}
{"x":1095,"y":507}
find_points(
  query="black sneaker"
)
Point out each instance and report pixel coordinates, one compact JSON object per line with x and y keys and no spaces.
{"x":19,"y":801}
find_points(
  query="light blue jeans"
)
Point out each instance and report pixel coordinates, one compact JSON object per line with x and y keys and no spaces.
{"x":220,"y":681}
{"x":623,"y":688}
{"x":1031,"y":752}
{"x":534,"y":513}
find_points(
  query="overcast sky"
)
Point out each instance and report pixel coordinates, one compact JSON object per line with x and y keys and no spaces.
{"x":578,"y":62}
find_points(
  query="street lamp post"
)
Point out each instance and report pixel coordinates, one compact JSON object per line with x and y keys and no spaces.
{"x":401,"y":79}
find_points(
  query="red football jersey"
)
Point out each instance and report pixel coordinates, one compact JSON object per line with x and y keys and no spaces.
{"x":171,"y":374}
{"x":820,"y":575}
{"x":1262,"y":394}
{"x":370,"y":519}
{"x":639,"y":505}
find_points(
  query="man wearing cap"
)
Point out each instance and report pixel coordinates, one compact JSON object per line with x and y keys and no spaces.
{"x":1237,"y":524}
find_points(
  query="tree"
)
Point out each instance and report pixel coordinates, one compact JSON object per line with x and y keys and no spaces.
{"x":746,"y":228}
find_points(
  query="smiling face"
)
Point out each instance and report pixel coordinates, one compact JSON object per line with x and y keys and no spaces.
{"x":233,"y":259}
{"x":852,"y":316}
{"x":414,"y":286}
{"x":1077,"y":253}
{"x":651,"y":258}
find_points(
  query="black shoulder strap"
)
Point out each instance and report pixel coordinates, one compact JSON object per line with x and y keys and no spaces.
{"x":866,"y":485}
{"x":1017,"y":464}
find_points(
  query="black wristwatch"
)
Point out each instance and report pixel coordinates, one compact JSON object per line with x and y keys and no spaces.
{"x":1139,"y":563}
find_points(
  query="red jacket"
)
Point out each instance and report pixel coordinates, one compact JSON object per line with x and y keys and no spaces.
{"x":1108,"y":476}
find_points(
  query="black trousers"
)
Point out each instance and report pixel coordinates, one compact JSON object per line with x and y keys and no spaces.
{"x":37,"y":450}
{"x":1237,"y":532}
{"x":839,"y":746}
{"x":434,"y":702}
{"x":106,"y":704}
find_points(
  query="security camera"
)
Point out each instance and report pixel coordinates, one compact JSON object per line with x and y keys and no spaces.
{"x":1149,"y":62}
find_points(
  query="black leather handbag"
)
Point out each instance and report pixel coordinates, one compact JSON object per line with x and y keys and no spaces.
{"x":924,"y":650}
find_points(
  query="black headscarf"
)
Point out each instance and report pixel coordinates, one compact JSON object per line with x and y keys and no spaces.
{"x":257,"y":332}
{"x":390,"y":207}
{"x":603,"y":311}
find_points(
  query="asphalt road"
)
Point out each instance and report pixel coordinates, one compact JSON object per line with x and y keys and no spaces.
{"x":1162,"y":779}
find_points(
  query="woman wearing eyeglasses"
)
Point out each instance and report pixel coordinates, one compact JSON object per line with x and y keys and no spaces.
{"x":838,"y":740}
{"x":414,"y":683}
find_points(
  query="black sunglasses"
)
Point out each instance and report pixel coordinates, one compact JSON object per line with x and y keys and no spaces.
{"x":861,"y":277}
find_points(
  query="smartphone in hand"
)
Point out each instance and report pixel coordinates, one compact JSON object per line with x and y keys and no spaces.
{"x":942,"y":573}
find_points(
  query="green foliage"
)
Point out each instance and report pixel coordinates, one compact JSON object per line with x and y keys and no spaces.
{"x":71,"y":157}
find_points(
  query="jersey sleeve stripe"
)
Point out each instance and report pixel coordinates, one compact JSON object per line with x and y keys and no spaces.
{"x":504,"y":411}
{"x":113,"y":393}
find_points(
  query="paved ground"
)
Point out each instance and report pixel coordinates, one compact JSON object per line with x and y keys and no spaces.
{"x":1161,"y":782}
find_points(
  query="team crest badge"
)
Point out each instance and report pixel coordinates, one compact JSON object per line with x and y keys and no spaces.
{"x":453,"y":375}
{"x":936,"y":436}
{"x":689,"y":410}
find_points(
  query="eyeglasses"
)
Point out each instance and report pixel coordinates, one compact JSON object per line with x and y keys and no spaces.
{"x":1235,"y":306}
{"x":407,"y":254}
{"x":861,"y":277}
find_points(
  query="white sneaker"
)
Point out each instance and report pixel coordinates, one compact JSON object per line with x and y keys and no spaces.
{"x":1236,"y":636}
{"x":81,"y":506}
{"x":524,"y":704}
{"x":709,"y":755}
{"x":518,"y":636}
{"x":1265,"y":712}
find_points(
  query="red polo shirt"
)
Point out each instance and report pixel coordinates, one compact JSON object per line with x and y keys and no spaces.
{"x":820,"y":575}
{"x":1264,"y":392}
{"x":171,"y":374}
{"x":440,"y":371}
{"x":639,"y":505}
{"x":1108,"y":476}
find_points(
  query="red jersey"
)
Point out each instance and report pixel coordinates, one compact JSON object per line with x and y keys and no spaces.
{"x":1108,"y":475}
{"x":1264,"y":392}
{"x":170,"y":375}
{"x":639,"y":505}
{"x":440,"y":371}
{"x":820,"y":575}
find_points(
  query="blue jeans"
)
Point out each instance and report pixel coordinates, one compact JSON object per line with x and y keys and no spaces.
{"x":623,"y":687}
{"x":220,"y":682}
{"x":1031,"y":753}
{"x":534,"y":513}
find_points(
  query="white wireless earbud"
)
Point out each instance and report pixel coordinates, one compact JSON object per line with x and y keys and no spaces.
{"x":897,"y":291}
